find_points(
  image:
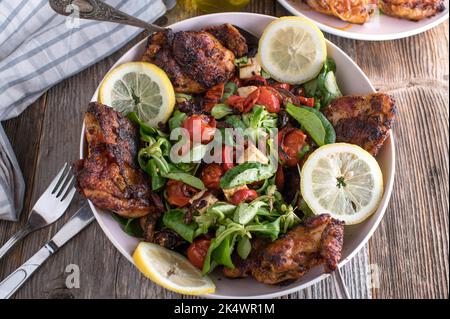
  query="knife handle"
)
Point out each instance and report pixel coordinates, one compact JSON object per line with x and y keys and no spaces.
{"x":15,"y":280}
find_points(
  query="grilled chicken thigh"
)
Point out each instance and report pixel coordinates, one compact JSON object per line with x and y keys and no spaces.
{"x":354,"y":11}
{"x":230,"y":37}
{"x":317,"y":241}
{"x":412,"y":9}
{"x":362,"y":120}
{"x":195,"y":61}
{"x":109,"y":176}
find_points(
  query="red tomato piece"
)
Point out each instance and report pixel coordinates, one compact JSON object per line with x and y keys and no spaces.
{"x":251,"y":100}
{"x":284,"y":86}
{"x":269,"y":98}
{"x":179,"y":193}
{"x":213,"y":96}
{"x":243,"y":195}
{"x":228,"y":157}
{"x":211,"y":175}
{"x":197,"y":252}
{"x":308,"y":101}
{"x":206,"y":124}
{"x":290,"y":143}
{"x":236,"y":102}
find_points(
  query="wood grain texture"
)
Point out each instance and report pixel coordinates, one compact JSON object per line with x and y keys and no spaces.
{"x":408,"y":253}
{"x":26,"y":148}
{"x":410,"y":247}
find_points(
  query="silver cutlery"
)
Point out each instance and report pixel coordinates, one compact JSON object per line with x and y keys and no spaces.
{"x":340,"y":286}
{"x":100,"y":11}
{"x":82,"y":218}
{"x":50,"y":207}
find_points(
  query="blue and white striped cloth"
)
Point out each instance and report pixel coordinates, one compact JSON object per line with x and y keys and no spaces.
{"x":39,"y":48}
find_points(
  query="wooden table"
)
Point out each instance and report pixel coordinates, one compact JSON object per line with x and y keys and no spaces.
{"x":406,"y":258}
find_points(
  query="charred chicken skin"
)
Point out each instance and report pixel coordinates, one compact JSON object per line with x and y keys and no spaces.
{"x":353,"y":11}
{"x":359,"y":11}
{"x":109,"y":176}
{"x":196,"y":61}
{"x":412,"y":9}
{"x":362,"y":120}
{"x":318,"y":240}
{"x":230,"y":37}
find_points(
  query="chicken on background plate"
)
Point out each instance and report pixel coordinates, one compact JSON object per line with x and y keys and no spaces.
{"x":412,"y":9}
{"x":359,"y":11}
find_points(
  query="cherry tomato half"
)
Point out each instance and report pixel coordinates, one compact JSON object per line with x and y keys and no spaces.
{"x":179,"y":193}
{"x":228,"y":157}
{"x":308,"y":101}
{"x":211,"y":175}
{"x":269,"y":98}
{"x":213,"y":96}
{"x":197,"y":252}
{"x":284,"y":86}
{"x":206,"y":124}
{"x":243,"y":195}
{"x":236,"y":102}
{"x":251,"y":100}
{"x":290,"y":141}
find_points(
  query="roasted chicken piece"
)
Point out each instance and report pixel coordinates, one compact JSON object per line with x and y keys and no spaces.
{"x":195,"y":61}
{"x":317,"y":241}
{"x":109,"y":175}
{"x":230,"y":37}
{"x":411,"y":9}
{"x":353,"y":11}
{"x":362,"y":120}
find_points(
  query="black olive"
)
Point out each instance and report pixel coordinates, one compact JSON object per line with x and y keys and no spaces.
{"x":283,"y":119}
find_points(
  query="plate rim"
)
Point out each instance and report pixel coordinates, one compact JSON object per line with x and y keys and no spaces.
{"x":385,"y":200}
{"x":361,"y":36}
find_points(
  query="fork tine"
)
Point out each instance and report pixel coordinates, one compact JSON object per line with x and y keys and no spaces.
{"x":55,"y":181}
{"x":62,"y":183}
{"x":68,"y":198}
{"x":64,"y":191}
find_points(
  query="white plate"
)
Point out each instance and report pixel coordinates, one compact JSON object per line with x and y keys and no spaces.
{"x":379,"y":27}
{"x":352,"y":81}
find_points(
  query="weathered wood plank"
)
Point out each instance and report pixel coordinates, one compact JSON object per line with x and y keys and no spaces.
{"x":411,"y":245}
{"x":24,"y":134}
{"x":410,"y":248}
{"x":356,"y":275}
{"x":417,"y":60}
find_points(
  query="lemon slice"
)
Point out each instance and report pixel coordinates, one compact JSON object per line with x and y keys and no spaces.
{"x":292,"y":50}
{"x":171,"y":270}
{"x":342,"y":180}
{"x":139,"y":87}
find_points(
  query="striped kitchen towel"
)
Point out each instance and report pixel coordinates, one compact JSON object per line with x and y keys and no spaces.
{"x":12,"y":186}
{"x":39,"y":48}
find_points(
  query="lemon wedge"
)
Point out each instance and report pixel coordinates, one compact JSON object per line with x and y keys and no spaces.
{"x":171,"y":270}
{"x":292,"y":50}
{"x":342,"y":180}
{"x":139,"y":87}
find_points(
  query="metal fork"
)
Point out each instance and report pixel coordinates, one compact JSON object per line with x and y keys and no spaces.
{"x":339,"y":283}
{"x":49,"y":207}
